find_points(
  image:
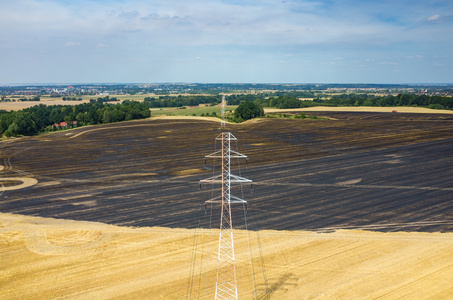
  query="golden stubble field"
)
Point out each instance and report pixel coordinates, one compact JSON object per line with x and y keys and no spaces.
{"x":13,"y":106}
{"x":401,"y":109}
{"x":43,"y":258}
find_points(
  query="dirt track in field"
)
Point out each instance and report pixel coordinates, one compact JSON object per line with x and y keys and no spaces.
{"x":325,"y":180}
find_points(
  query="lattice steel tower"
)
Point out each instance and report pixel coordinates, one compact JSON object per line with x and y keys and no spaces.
{"x":226,"y":286}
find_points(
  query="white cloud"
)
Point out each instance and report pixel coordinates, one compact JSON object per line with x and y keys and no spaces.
{"x":414,"y":56}
{"x":236,"y":33}
{"x":433,"y":18}
{"x":72,"y":44}
{"x":129,"y":14}
{"x":199,"y":22}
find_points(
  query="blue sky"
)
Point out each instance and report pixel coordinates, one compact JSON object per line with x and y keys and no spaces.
{"x":255,"y":41}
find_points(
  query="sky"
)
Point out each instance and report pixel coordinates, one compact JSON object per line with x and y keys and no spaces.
{"x":226,"y":41}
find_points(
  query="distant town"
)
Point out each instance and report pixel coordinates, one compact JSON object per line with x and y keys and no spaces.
{"x":20,"y":91}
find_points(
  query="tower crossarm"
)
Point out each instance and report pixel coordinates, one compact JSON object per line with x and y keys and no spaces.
{"x":233,"y":154}
{"x":239,"y":179}
{"x":233,"y":199}
{"x":233,"y":179}
{"x":226,"y":136}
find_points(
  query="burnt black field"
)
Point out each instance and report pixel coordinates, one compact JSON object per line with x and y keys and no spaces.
{"x":373,"y":171}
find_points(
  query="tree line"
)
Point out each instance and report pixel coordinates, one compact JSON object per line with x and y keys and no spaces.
{"x":64,"y":98}
{"x":104,"y":99}
{"x":41,"y":118}
{"x":251,"y":106}
{"x":288,"y":100}
{"x":285,"y":102}
{"x":436,"y":102}
{"x":34,"y":98}
{"x":180,"y":101}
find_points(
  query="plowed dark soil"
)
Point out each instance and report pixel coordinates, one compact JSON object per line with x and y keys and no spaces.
{"x":376,"y":171}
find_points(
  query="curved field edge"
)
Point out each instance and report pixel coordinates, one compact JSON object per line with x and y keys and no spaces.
{"x":399,"y":109}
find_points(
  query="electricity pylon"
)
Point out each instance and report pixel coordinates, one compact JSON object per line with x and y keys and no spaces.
{"x":222,"y":123}
{"x":226,"y":286}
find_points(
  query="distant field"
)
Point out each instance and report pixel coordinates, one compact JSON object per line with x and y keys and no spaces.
{"x":9,"y":106}
{"x":173,"y":111}
{"x":16,"y":105}
{"x":202,"y":109}
{"x":402,"y":109}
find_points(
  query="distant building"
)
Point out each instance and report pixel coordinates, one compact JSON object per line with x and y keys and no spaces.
{"x":63,"y":125}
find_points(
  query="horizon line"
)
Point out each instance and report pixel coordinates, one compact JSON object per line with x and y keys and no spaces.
{"x":232,"y":83}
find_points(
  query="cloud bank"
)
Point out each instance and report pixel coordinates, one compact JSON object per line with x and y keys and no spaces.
{"x":226,"y":41}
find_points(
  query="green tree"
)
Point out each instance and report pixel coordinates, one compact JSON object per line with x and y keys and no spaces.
{"x":7,"y":133}
{"x":23,"y":124}
{"x":248,"y":110}
{"x":81,"y":117}
{"x":107,"y":116}
{"x":13,"y":130}
{"x":68,"y":120}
